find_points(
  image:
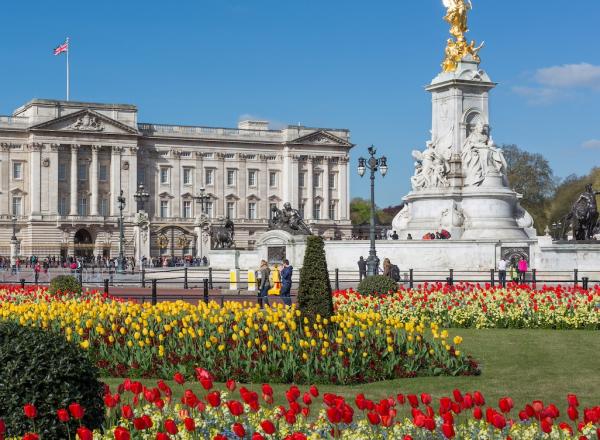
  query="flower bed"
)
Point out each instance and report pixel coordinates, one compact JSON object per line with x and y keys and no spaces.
{"x":476,"y":306}
{"x":137,"y":412}
{"x":243,"y":342}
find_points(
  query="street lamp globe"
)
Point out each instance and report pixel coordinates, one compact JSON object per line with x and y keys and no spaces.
{"x":361,"y":166}
{"x":383,"y":166}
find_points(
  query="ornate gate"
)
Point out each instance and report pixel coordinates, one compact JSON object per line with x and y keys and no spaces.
{"x":173,"y":241}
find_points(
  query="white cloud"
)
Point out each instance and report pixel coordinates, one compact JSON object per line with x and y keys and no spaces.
{"x":591,"y":144}
{"x":567,"y":76}
{"x":538,"y":95}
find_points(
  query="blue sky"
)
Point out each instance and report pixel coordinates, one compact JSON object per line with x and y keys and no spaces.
{"x":333,"y":63}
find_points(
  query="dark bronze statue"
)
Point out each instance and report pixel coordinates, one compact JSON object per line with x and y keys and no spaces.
{"x":289,"y":220}
{"x":583,"y":217}
{"x":222,"y":236}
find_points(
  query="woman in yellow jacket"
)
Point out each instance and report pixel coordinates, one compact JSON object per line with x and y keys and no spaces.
{"x":275,"y":281}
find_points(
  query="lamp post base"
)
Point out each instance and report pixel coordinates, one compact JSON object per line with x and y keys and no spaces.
{"x":372,"y":265}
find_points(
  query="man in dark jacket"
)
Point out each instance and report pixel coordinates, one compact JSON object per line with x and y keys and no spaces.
{"x":362,"y":268}
{"x":286,"y":282}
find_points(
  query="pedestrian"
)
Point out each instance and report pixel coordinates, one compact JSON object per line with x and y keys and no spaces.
{"x":502,"y":272}
{"x":265,"y":284}
{"x":362,"y":269}
{"x":395,"y":236}
{"x":514,"y":274}
{"x":286,"y":282}
{"x":409,"y":237}
{"x":387,"y":267}
{"x":522,"y":267}
{"x":36,"y":272}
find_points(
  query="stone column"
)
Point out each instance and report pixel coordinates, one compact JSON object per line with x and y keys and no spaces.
{"x":132,"y":175}
{"x":242,"y":185}
{"x":35,"y":177}
{"x":310,"y":189}
{"x":286,"y":176}
{"x":325,"y":183}
{"x":52,"y":151}
{"x":263,"y":187}
{"x":5,"y":207}
{"x":94,"y":181}
{"x":343,"y":185}
{"x":73,"y":180}
{"x":293,"y":178}
{"x":115,"y":179}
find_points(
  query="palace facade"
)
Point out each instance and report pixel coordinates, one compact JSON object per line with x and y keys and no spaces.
{"x":64,"y":163}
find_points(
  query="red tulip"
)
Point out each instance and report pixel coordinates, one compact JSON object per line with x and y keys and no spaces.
{"x":499,"y":421}
{"x":547,"y":425}
{"x":448,"y":430}
{"x":267,"y":390}
{"x":127,"y":412}
{"x":31,"y":436}
{"x":267,"y":426}
{"x":572,"y":400}
{"x":230,"y":384}
{"x":307,"y":399}
{"x":478,"y":398}
{"x":214,"y":399}
{"x":63,"y":415}
{"x":171,"y":426}
{"x":178,"y":377}
{"x":425,"y":398}
{"x":162,"y":436}
{"x":374,"y":418}
{"x":257,"y":436}
{"x":219,"y":437}
{"x":458,"y":397}
{"x":30,"y":411}
{"x":314,"y":391}
{"x":239,"y":430}
{"x":121,"y":433}
{"x":76,"y":411}
{"x":477,"y":413}
{"x":412,"y":400}
{"x":235,"y":408}
{"x":290,"y":417}
{"x":189,"y":424}
{"x":566,"y":427}
{"x":506,"y":404}
{"x":84,"y":434}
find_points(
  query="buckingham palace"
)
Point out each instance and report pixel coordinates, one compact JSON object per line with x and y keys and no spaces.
{"x":63,"y":165}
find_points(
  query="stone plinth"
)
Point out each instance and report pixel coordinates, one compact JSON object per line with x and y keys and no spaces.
{"x":295,"y":246}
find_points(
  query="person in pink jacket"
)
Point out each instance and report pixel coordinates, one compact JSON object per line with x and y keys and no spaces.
{"x":522,"y":266}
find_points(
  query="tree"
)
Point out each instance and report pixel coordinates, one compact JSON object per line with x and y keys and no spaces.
{"x":531,"y":175}
{"x":314,"y":292}
{"x":360,"y":212}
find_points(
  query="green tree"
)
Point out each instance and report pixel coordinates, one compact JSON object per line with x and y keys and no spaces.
{"x":531,"y":175}
{"x":314,"y":292}
{"x":360,"y":212}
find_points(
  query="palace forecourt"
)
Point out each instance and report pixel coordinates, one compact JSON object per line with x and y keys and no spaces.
{"x":64,"y":163}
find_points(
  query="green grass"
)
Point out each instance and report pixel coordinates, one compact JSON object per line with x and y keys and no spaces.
{"x":523,"y":364}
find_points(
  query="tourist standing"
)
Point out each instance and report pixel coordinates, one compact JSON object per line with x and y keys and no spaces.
{"x":36,"y":272}
{"x":265,"y":285}
{"x":502,"y":272}
{"x":522,"y":269}
{"x":395,"y":236}
{"x":387,"y":267}
{"x":362,"y":268}
{"x":514,"y":274}
{"x":286,"y":282}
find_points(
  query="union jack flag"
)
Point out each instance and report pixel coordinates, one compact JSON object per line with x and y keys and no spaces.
{"x":62,"y":48}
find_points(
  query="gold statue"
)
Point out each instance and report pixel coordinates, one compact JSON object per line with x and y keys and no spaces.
{"x":458,"y":48}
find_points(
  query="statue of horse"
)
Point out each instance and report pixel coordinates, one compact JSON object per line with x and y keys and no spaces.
{"x":222,"y":236}
{"x":583,"y":217}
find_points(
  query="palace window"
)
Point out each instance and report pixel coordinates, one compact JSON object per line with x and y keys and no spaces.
{"x":209,"y":176}
{"x":82,"y":206}
{"x":187,"y":209}
{"x":252,"y":177}
{"x":252,"y":210}
{"x":301,"y":209}
{"x":164,"y":208}
{"x":103,"y":173}
{"x":272,"y":179}
{"x":63,"y":206}
{"x":317,"y":211}
{"x":187,"y":176}
{"x":17,"y":206}
{"x":230,"y":177}
{"x":332,"y":180}
{"x":164,"y":175}
{"x":271,"y":206}
{"x":301,"y":177}
{"x":82,"y":171}
{"x":186,"y":154}
{"x":231,"y":210}
{"x":208,"y":209}
{"x":104,"y":207}
{"x":332,"y":211}
{"x":62,"y":171}
{"x":17,"y":170}
{"x":317,"y":180}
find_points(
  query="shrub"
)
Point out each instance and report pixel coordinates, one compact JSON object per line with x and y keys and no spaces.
{"x":314,"y":292}
{"x":65,"y":284}
{"x":44,"y":369}
{"x":377,"y":284}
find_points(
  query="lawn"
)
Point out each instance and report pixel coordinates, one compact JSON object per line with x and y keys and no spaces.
{"x":522,"y":364}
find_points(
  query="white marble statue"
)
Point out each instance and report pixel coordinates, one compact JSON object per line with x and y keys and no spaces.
{"x":431,"y":169}
{"x":480,"y":157}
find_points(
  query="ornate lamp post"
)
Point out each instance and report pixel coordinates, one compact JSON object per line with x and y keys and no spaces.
{"x":13,"y":243}
{"x":557,"y":230}
{"x":141,"y":196}
{"x":373,"y":164}
{"x":121,"y":260}
{"x":201,"y":220}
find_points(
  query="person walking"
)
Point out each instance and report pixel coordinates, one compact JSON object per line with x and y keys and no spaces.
{"x":502,"y":272}
{"x":36,"y":272}
{"x":286,"y":282}
{"x":522,"y":269}
{"x":514,"y":274}
{"x":265,"y":284}
{"x":362,"y":269}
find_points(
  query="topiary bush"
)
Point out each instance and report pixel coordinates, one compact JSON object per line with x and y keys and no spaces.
{"x":65,"y":284}
{"x":376,"y":284}
{"x":44,"y":369}
{"x":314,"y":292}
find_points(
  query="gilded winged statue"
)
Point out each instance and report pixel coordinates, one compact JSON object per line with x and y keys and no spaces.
{"x":457,"y":48}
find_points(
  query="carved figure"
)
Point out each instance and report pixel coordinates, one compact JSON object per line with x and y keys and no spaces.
{"x":288,"y":219}
{"x":480,"y":157}
{"x":457,"y":48}
{"x":222,"y":236}
{"x":88,"y":123}
{"x":583,"y":216}
{"x":431,"y":169}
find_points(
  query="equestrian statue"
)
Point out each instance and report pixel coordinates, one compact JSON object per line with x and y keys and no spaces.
{"x":222,"y":236}
{"x":289,"y":220}
{"x":583,"y":217}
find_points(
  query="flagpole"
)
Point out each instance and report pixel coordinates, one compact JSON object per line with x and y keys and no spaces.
{"x":68,"y":82}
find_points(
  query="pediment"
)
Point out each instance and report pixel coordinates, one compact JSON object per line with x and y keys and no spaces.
{"x":86,"y":121}
{"x":231,"y":197}
{"x":321,"y":137}
{"x":165,"y":195}
{"x":253,"y":197}
{"x":17,"y":192}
